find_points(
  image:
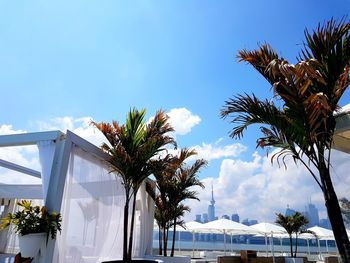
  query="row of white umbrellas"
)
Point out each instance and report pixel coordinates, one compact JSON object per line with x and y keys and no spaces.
{"x":269,"y":230}
{"x":225,"y":226}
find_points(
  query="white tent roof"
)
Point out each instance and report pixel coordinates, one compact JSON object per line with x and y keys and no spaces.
{"x":269,"y":228}
{"x":189,"y":226}
{"x":225,"y":226}
{"x":342,"y":130}
{"x":322,"y":233}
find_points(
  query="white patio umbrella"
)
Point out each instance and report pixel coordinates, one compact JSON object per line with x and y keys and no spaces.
{"x":225,"y":226}
{"x":190,"y":227}
{"x":322,"y":234}
{"x":269,"y":229}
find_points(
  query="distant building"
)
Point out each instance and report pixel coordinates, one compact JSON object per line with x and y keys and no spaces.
{"x":311,"y":212}
{"x":211,"y":207}
{"x":245,"y":222}
{"x":250,"y":222}
{"x":253,"y":222}
{"x":324,"y":222}
{"x":198,"y":218}
{"x":205,"y":218}
{"x":225,"y":217}
{"x":289,"y":211}
{"x":235,"y":217}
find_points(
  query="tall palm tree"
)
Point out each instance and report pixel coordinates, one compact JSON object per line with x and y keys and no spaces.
{"x":131,"y":147}
{"x":293,"y":224}
{"x":301,"y":122}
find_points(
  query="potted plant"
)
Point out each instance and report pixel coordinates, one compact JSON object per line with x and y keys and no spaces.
{"x":33,"y":224}
{"x":131,"y":148}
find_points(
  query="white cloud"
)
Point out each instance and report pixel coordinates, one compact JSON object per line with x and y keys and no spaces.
{"x":183,"y":120}
{"x":257,"y":190}
{"x":80,"y":126}
{"x":8,"y":129}
{"x":25,"y":156}
{"x":211,"y":152}
{"x":252,"y":188}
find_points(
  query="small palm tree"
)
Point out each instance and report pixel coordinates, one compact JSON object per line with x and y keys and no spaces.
{"x":131,"y":148}
{"x":293,"y":224}
{"x":174,"y":180}
{"x":186,"y":178}
{"x":300,"y":119}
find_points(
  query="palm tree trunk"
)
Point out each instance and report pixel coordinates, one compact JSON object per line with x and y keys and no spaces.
{"x":296,"y":245}
{"x":165,"y":241}
{"x":131,"y":235}
{"x":291,"y":245}
{"x":125,"y":231}
{"x":334,"y":214}
{"x":160,"y":239}
{"x":174,"y":237}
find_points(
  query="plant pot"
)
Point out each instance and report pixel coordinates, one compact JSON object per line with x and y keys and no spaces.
{"x":30,"y":244}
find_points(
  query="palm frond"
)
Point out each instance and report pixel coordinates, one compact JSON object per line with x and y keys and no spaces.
{"x":260,"y":59}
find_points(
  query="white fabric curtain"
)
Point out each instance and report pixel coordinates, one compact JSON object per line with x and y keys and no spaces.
{"x":143,"y":237}
{"x":92,"y":211}
{"x":8,"y":239}
{"x":46,"y":154}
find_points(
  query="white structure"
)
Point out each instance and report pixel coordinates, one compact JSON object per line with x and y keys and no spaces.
{"x":77,"y":183}
{"x":342,"y":130}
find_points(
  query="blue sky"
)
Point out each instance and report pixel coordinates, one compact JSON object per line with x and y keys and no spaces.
{"x":61,"y":61}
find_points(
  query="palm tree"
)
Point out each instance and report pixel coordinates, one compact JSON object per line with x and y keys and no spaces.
{"x":186,"y":178}
{"x":131,"y":148}
{"x":300,"y":119}
{"x":293,"y":224}
{"x":174,"y":180}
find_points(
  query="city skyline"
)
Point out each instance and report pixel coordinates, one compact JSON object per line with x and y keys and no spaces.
{"x":310,"y":211}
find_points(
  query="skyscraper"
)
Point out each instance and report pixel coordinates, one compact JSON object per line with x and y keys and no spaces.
{"x":205,"y":218}
{"x":289,"y":211}
{"x":211,"y":207}
{"x":235,"y":217}
{"x":311,"y":213}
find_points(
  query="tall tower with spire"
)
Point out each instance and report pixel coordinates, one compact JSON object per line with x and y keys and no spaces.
{"x":211,"y":207}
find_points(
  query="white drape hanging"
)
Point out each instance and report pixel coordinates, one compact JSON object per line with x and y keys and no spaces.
{"x":143,"y":237}
{"x":8,"y":239}
{"x":46,"y":154}
{"x":92,"y":211}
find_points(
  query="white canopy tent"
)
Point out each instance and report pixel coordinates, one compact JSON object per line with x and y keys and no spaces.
{"x":322,"y":234}
{"x":76,"y":182}
{"x":342,"y":130}
{"x":225,"y":226}
{"x":191,"y":227}
{"x":269,"y":230}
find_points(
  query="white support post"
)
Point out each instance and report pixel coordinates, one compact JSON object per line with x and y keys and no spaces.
{"x":56,"y":187}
